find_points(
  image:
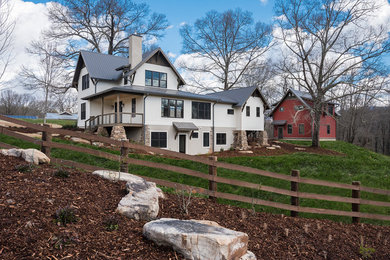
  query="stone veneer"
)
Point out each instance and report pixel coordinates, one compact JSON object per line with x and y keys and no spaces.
{"x":102,"y":131}
{"x":118,"y":133}
{"x":240,"y":140}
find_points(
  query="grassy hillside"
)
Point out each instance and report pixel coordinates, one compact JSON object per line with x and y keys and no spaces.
{"x":53,"y":121}
{"x":357,"y":164}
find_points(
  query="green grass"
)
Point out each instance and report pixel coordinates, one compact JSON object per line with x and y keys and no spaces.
{"x":52,"y":121}
{"x":358,"y":164}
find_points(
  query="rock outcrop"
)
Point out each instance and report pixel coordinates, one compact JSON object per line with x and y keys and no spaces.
{"x":199,"y":240}
{"x":29,"y":155}
{"x":141,"y":203}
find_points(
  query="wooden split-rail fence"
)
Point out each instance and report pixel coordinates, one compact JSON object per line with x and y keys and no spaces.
{"x":295,"y":179}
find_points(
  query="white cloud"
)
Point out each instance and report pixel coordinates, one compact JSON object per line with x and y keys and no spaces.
{"x":182,"y":24}
{"x":170,"y":27}
{"x":263,"y":1}
{"x":172,"y":55}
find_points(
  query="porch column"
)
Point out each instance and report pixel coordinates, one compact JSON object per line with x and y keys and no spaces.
{"x":102,"y":110}
{"x":117,"y":109}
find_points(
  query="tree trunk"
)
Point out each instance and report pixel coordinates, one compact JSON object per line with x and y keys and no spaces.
{"x":315,"y":141}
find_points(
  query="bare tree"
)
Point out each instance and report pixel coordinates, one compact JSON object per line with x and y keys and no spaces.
{"x":228,"y":43}
{"x":6,"y":29}
{"x":12,"y":103}
{"x":49,"y":77}
{"x":101,"y":25}
{"x":333,"y":44}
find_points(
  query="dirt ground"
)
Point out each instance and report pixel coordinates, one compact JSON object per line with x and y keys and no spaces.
{"x":30,"y":198}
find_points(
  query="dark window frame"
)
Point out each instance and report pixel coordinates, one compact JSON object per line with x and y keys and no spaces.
{"x":221,"y":138}
{"x":152,"y":78}
{"x":230,"y":111}
{"x":159,"y":139}
{"x":195,"y":135}
{"x":331,"y":109}
{"x":201,"y":110}
{"x":303,"y":129}
{"x":328,"y":129}
{"x":248,"y":111}
{"x":83,"y":111}
{"x":206,"y":140}
{"x":166,"y":110}
{"x":257,"y":111}
{"x":289,"y":129}
{"x":85,"y":82}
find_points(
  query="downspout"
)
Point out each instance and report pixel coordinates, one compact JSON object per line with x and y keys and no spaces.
{"x":213,"y":127}
{"x":143,"y":118}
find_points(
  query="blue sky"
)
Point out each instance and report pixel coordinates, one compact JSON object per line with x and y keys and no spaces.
{"x":178,"y":11}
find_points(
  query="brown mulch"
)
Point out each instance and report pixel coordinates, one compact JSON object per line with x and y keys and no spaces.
{"x":28,"y":201}
{"x":285,"y":148}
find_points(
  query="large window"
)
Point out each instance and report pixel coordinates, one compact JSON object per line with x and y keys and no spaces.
{"x":159,"y":139}
{"x":206,"y":139}
{"x":83,"y":111}
{"x":172,"y":108}
{"x":201,"y":110}
{"x":257,"y":111}
{"x":155,"y":79}
{"x":301,"y":129}
{"x":248,"y":111}
{"x":289,"y":129}
{"x":328,"y":129}
{"x":85,"y":82}
{"x":221,"y":138}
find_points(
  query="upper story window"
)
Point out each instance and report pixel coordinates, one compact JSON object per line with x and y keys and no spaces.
{"x":155,"y":79}
{"x":330,"y":109}
{"x":85,"y":82}
{"x":248,"y":111}
{"x":201,"y":110}
{"x":230,"y":111}
{"x":257,"y":111}
{"x":172,"y":108}
{"x":281,"y":109}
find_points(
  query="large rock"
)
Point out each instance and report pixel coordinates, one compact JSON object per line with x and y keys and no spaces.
{"x":198,"y":240}
{"x":29,"y":155}
{"x":141,"y":203}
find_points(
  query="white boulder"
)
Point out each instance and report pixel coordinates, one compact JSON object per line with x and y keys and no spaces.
{"x":141,"y":203}
{"x":198,"y":240}
{"x":29,"y":155}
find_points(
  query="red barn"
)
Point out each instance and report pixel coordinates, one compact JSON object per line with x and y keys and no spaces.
{"x":292,"y":119}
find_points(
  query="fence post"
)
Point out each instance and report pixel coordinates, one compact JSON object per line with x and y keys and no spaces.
{"x":46,"y":137}
{"x":356,"y":206}
{"x":124,"y":167}
{"x":213,"y":172}
{"x":294,"y":187}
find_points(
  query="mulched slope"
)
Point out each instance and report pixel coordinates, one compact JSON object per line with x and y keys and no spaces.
{"x":27,"y":229}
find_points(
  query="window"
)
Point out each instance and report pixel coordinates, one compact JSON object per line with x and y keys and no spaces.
{"x":206,"y":139}
{"x":328,"y":129}
{"x":201,"y":110}
{"x":298,"y":108}
{"x":172,"y":108}
{"x":221,"y":138}
{"x":301,"y":129}
{"x":230,"y":111}
{"x":133,"y":106}
{"x":195,"y":135}
{"x":257,"y":111}
{"x":281,"y":109}
{"x":159,"y":139}
{"x":83,"y":111}
{"x":248,"y":111}
{"x":125,"y":80}
{"x":155,"y":79}
{"x":289,"y":129}
{"x":85,"y":82}
{"x":330,"y":110}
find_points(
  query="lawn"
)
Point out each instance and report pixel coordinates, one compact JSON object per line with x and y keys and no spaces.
{"x":358,"y":164}
{"x":53,"y":121}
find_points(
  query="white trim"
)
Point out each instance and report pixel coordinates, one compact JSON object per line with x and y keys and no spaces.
{"x":203,"y":139}
{"x":225,"y":138}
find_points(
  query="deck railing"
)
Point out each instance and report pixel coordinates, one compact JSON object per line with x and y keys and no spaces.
{"x":110,"y":119}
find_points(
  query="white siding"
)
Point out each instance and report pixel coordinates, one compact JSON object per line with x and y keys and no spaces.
{"x":253,"y":123}
{"x":139,"y":79}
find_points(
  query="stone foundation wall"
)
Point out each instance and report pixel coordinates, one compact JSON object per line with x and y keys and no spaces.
{"x":102,"y":131}
{"x":240,"y":140}
{"x":118,"y":133}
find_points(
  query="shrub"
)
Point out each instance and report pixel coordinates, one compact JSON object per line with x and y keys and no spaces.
{"x":65,"y":215}
{"x":111,"y":223}
{"x":25,"y":167}
{"x":62,"y":173}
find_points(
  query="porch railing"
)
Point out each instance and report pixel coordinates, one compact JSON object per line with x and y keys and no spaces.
{"x":110,"y":119}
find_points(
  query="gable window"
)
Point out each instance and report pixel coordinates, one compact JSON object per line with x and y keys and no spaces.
{"x":257,"y":111}
{"x":83,"y":111}
{"x":172,"y":108}
{"x":195,"y":135}
{"x":281,"y":109}
{"x":330,"y":110}
{"x":301,"y":129}
{"x":155,"y":79}
{"x":248,"y":111}
{"x":289,"y":129}
{"x":125,"y":80}
{"x":85,"y":82}
{"x":230,"y":111}
{"x":201,"y":110}
{"x":328,"y":129}
{"x":206,"y":139}
{"x":159,"y":139}
{"x":221,"y":138}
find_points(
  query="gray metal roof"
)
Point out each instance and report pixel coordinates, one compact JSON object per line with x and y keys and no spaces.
{"x":239,"y":95}
{"x":184,"y":126}
{"x":102,"y":66}
{"x":279,"y":122}
{"x":159,"y":92}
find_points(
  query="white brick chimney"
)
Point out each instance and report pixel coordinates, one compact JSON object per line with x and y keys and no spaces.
{"x":135,"y":50}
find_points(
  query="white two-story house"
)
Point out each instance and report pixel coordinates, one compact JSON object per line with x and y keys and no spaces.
{"x":138,"y":98}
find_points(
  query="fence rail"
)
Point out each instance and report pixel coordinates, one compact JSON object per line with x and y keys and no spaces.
{"x":47,"y":144}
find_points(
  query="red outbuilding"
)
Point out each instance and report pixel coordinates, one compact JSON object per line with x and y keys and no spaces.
{"x":292,"y":117}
